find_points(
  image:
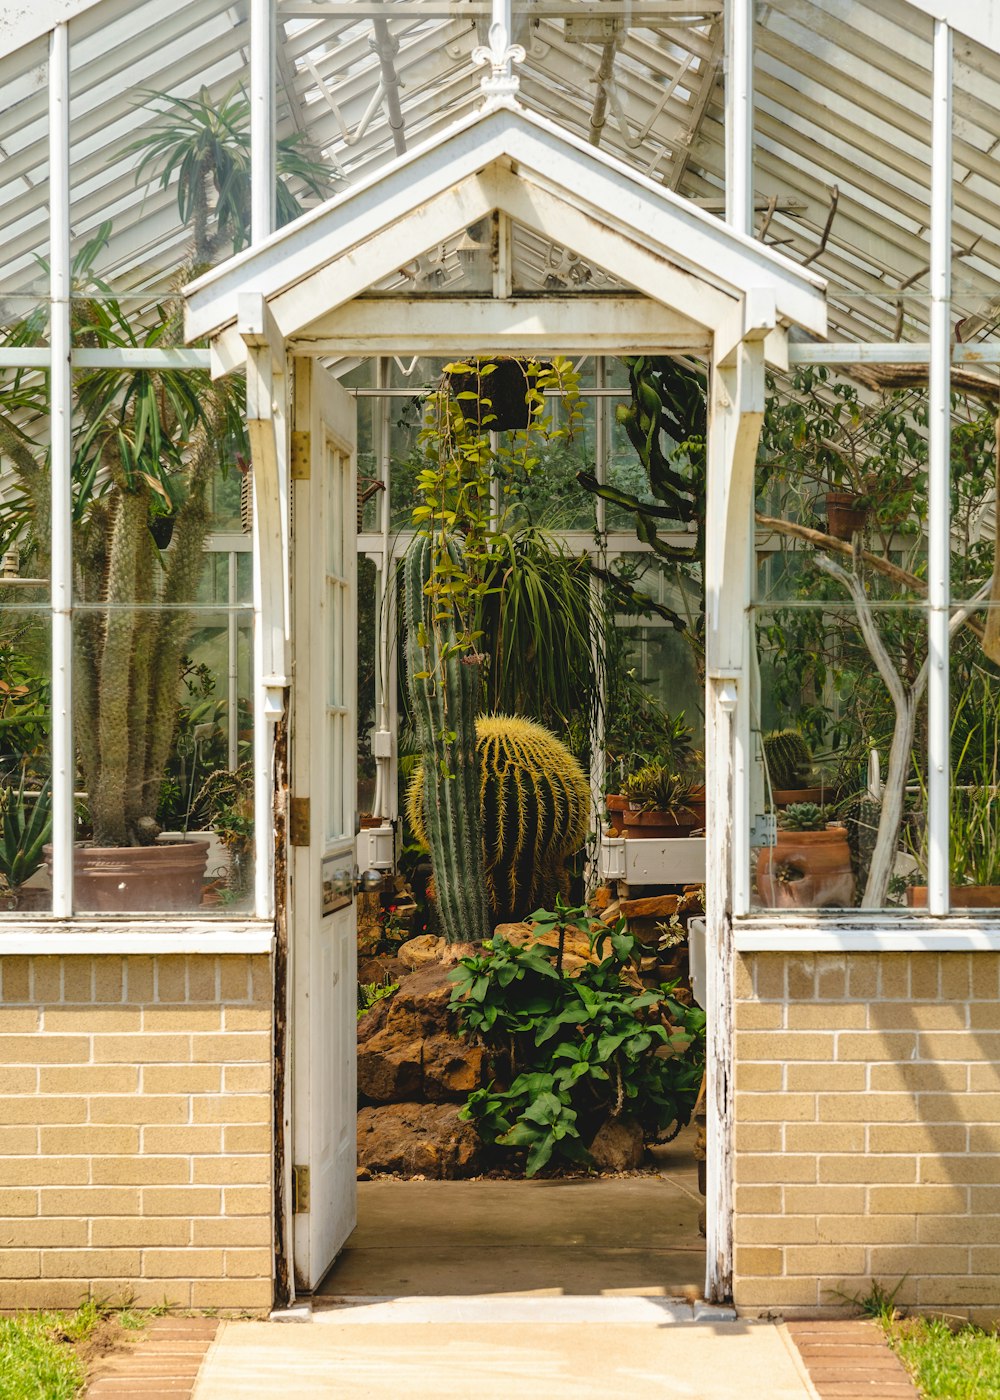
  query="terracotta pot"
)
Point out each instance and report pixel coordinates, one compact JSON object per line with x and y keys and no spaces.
{"x":816,"y":866}
{"x":617,"y":805}
{"x":960,"y":896}
{"x":844,"y":517}
{"x":655,"y":825}
{"x":165,"y":877}
{"x":784,"y":797}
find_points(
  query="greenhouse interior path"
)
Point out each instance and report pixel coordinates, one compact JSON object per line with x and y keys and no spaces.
{"x":610,"y":1235}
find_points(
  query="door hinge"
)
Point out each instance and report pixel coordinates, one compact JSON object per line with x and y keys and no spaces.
{"x":298,"y":821}
{"x":300,"y":1190}
{"x":301,"y":456}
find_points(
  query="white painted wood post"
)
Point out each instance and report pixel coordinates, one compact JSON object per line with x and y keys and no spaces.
{"x":939,"y":482}
{"x":738,"y":19}
{"x":61,"y":419}
{"x":263,"y":119}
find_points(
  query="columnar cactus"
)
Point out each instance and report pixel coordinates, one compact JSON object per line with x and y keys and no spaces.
{"x":788,"y":758}
{"x":535,"y":812}
{"x":444,"y":688}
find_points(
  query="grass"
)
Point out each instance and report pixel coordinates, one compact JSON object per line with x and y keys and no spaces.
{"x":44,"y":1356}
{"x":947,"y":1363}
{"x":948,"y":1360}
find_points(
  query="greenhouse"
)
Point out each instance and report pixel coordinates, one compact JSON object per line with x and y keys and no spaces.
{"x":500,"y":632}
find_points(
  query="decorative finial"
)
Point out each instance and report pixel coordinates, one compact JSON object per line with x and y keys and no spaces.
{"x":500,"y":53}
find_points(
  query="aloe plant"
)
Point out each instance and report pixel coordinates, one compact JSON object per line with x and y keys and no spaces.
{"x":24,"y":830}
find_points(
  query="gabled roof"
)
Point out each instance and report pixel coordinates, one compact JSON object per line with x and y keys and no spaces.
{"x":545,"y":178}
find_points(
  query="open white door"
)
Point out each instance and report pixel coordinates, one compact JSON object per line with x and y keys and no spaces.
{"x":323,"y":920}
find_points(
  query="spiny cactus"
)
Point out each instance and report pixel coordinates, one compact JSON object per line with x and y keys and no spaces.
{"x":788,"y":758}
{"x":804,"y":816}
{"x":535,"y":806}
{"x":444,"y":687}
{"x":860,"y":816}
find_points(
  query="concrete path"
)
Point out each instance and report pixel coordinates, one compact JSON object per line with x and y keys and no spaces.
{"x":506,"y":1349}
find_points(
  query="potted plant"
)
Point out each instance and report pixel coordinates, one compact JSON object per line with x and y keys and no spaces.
{"x":788,"y":760}
{"x":24,"y":830}
{"x":225,"y":803}
{"x":809,"y":867}
{"x":499,"y":394}
{"x":975,"y":851}
{"x":659,"y":804}
{"x":846,"y":514}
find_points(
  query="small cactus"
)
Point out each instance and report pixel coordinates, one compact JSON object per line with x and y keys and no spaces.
{"x":535,"y":806}
{"x":860,"y":815}
{"x":804,"y":816}
{"x":788,"y":758}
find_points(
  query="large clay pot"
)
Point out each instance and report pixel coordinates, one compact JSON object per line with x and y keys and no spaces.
{"x":844,"y":516}
{"x":617,"y":805}
{"x":784,"y":797}
{"x":655,"y":825}
{"x":960,"y":896}
{"x":807,"y":870}
{"x":163,"y":878}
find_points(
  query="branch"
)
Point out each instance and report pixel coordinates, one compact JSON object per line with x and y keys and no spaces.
{"x":835,"y":546}
{"x":871,"y":634}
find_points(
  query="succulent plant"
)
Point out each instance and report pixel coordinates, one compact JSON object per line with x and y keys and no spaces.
{"x":535,"y":806}
{"x":788,"y":758}
{"x":655,"y":788}
{"x":804,"y":816}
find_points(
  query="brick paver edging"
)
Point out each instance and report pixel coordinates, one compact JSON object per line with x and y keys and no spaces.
{"x":851,"y":1361}
{"x":163,"y":1365}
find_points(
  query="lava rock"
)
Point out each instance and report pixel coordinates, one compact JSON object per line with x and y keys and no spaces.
{"x":618,"y":1145}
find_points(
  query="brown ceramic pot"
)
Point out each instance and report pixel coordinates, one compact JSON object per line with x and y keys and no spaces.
{"x":960,"y":896}
{"x":807,"y":870}
{"x":617,"y":805}
{"x":655,"y":825}
{"x":844,"y":516}
{"x":165,"y":877}
{"x":784,"y":797}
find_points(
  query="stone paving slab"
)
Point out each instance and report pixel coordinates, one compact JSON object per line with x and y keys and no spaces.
{"x":650,"y":1356}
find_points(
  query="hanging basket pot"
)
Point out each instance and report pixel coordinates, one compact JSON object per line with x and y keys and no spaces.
{"x":500,"y":397}
{"x":845,"y":516}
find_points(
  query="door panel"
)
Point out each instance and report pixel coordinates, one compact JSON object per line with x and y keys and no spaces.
{"x":323,"y":917}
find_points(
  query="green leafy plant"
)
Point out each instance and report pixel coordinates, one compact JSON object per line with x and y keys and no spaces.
{"x":226,"y":803}
{"x":371,"y":993}
{"x":24,"y":830}
{"x":205,"y":142}
{"x":655,"y":788}
{"x":573,"y":1049}
{"x":804,"y":816}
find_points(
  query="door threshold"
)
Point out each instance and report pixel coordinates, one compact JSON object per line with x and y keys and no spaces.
{"x":515,"y":1309}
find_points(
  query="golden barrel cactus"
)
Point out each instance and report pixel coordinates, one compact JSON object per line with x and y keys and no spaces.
{"x":535,"y":805}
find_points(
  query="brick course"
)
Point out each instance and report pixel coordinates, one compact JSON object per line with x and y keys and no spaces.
{"x":136,"y":1144}
{"x":867,"y":1123}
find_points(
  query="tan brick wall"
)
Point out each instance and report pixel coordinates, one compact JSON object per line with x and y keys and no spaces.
{"x":867,"y":1130}
{"x":135,"y":1130}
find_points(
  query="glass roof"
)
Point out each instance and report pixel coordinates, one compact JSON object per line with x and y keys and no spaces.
{"x":842,"y":159}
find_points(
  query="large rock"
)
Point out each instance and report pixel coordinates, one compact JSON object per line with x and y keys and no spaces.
{"x":576,"y":944}
{"x":419,"y":951}
{"x":416,"y":1139}
{"x":618,"y":1146}
{"x":410,"y":1050}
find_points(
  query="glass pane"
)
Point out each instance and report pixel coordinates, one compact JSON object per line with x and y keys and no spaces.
{"x":164,"y":743}
{"x":838,"y":459}
{"x":370,"y":621}
{"x":25,"y":756}
{"x":850,"y":821}
{"x":24,"y":172}
{"x":975,"y":762}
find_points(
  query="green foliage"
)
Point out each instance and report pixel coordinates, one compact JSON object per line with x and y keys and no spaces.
{"x":38,"y":1359}
{"x":575,"y":1048}
{"x":788,"y":758}
{"x":371,"y":993}
{"x":656,"y":789}
{"x":535,"y":806}
{"x":948,"y":1361}
{"x":804,"y":816}
{"x":24,"y":830}
{"x":205,"y":143}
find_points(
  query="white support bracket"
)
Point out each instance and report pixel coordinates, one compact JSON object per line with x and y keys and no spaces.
{"x":267,"y":425}
{"x":755,"y":318}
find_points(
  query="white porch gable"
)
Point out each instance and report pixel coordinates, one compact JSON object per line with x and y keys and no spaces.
{"x":559,"y":186}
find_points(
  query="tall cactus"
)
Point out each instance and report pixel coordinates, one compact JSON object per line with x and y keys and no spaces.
{"x":444,"y":687}
{"x":535,"y":806}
